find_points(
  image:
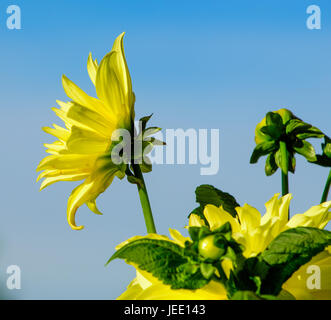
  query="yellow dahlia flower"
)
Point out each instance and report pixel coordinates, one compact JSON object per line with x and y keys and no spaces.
{"x":82,"y":151}
{"x":255,"y":233}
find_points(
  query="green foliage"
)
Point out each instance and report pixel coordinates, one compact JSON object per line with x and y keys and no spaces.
{"x":200,"y":261}
{"x":166,"y":260}
{"x":284,"y":255}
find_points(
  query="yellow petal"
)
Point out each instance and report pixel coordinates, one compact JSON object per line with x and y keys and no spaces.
{"x":86,"y":142}
{"x":93,"y":207}
{"x":68,"y":161}
{"x":74,"y":114}
{"x":284,"y":206}
{"x":132,"y":292}
{"x":195,"y":221}
{"x":56,"y":147}
{"x":113,"y":83}
{"x":272,"y":207}
{"x":317,"y":217}
{"x":249,"y":217}
{"x":69,"y":177}
{"x":179,"y":239}
{"x":92,"y":67}
{"x":58,"y":132}
{"x":57,"y":172}
{"x":216,"y":217}
{"x":153,"y":289}
{"x":80,"y":97}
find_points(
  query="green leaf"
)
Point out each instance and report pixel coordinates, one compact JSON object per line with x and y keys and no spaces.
{"x":270,"y":165}
{"x":307,"y":150}
{"x":287,"y":253}
{"x":167,"y":261}
{"x":207,"y":194}
{"x":263,"y":149}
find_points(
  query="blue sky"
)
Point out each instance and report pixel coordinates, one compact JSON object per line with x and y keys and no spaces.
{"x":194,"y":64}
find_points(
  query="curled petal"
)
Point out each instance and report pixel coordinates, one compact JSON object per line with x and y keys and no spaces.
{"x":87,"y":192}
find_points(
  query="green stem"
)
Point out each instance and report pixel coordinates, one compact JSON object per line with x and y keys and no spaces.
{"x":326,"y":189}
{"x":144,"y":200}
{"x":284,"y":168}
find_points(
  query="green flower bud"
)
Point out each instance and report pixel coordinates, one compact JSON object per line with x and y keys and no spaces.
{"x":212,"y":247}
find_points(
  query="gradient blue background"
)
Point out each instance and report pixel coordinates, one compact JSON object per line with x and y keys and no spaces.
{"x":194,"y":64}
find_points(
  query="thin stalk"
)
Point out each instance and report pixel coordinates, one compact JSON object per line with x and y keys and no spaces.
{"x":144,"y":200}
{"x":284,"y":168}
{"x":326,"y":189}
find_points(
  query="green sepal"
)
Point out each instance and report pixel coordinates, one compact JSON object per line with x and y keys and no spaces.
{"x":150,"y":131}
{"x":291,"y":163}
{"x":207,"y":270}
{"x":135,"y":180}
{"x":145,"y":167}
{"x":279,"y":162}
{"x":144,"y":121}
{"x":271,"y":131}
{"x":306,"y":149}
{"x":274,"y":120}
{"x":296,"y":126}
{"x":274,"y":126}
{"x":270,"y":165}
{"x":263,"y":149}
{"x":312,"y":132}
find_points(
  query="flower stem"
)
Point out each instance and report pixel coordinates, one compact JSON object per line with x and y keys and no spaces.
{"x":284,"y":168}
{"x":144,"y":200}
{"x":326,"y":189}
